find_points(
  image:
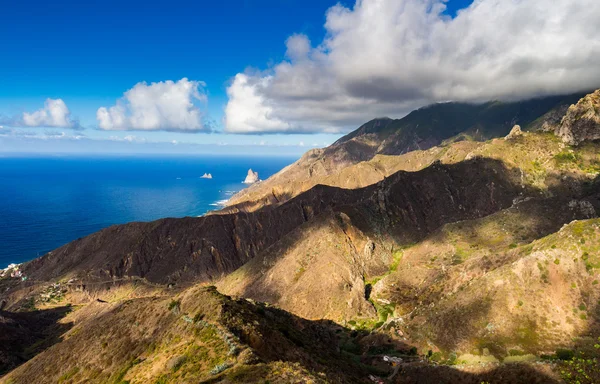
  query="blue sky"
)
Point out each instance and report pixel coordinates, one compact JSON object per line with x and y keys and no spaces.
{"x":88,"y":54}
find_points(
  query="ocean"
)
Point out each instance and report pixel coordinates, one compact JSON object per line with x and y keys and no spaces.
{"x":48,"y":202}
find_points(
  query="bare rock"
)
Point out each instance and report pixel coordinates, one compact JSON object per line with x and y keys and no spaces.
{"x":175,"y":362}
{"x":583,"y":207}
{"x":514,"y":133}
{"x":582,"y":121}
{"x":551,"y":120}
{"x":369,"y":249}
{"x":252,"y":177}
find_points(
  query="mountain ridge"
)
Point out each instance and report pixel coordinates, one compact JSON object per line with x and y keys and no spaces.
{"x":421,"y":129}
{"x":476,"y":253}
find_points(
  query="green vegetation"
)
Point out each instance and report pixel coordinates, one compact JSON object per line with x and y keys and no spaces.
{"x":68,"y":375}
{"x":174,"y":305}
{"x":581,"y":367}
{"x":565,"y":354}
{"x":566,"y":157}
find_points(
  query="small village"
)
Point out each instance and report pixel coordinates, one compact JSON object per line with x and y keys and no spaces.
{"x":14,"y":271}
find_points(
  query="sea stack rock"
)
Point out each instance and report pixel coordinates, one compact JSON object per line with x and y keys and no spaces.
{"x":252,"y":177}
{"x":582,"y":121}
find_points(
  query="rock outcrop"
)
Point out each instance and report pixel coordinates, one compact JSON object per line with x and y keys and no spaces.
{"x":514,"y":133}
{"x":251,"y":178}
{"x":582,"y":121}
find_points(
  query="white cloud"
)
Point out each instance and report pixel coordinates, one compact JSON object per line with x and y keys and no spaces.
{"x":247,"y":111}
{"x":386,"y":57}
{"x":54,"y":114}
{"x":166,"y":106}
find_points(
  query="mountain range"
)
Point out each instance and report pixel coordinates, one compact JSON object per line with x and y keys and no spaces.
{"x":459,"y":244}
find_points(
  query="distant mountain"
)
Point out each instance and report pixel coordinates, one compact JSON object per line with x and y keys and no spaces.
{"x":420,"y":130}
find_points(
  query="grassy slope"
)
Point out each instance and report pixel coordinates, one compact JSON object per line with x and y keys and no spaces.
{"x":196,"y":336}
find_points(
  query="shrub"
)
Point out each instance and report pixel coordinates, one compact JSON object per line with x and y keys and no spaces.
{"x":520,"y":359}
{"x":451,"y":359}
{"x":198,"y":317}
{"x":174,"y":305}
{"x":565,"y":157}
{"x":436,"y":357}
{"x":565,"y":354}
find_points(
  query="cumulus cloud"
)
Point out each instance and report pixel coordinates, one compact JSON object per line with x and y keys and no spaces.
{"x":165,"y":105}
{"x":387,"y":57}
{"x":54,"y":114}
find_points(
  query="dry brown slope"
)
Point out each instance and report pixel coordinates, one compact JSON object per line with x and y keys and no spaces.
{"x":316,"y":270}
{"x":196,"y":336}
{"x":543,"y":296}
{"x":319,"y":269}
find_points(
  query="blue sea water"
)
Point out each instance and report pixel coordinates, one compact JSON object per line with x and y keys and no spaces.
{"x":48,"y":202}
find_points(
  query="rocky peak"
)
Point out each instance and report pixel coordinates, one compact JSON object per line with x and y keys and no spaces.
{"x":582,"y":121}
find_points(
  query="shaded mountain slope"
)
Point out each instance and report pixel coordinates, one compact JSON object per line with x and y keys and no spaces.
{"x":22,"y":335}
{"x":199,"y":249}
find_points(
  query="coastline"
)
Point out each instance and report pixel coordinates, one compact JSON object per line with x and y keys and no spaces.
{"x":54,"y":201}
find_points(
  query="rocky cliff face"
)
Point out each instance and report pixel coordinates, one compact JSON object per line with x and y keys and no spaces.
{"x":582,"y":121}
